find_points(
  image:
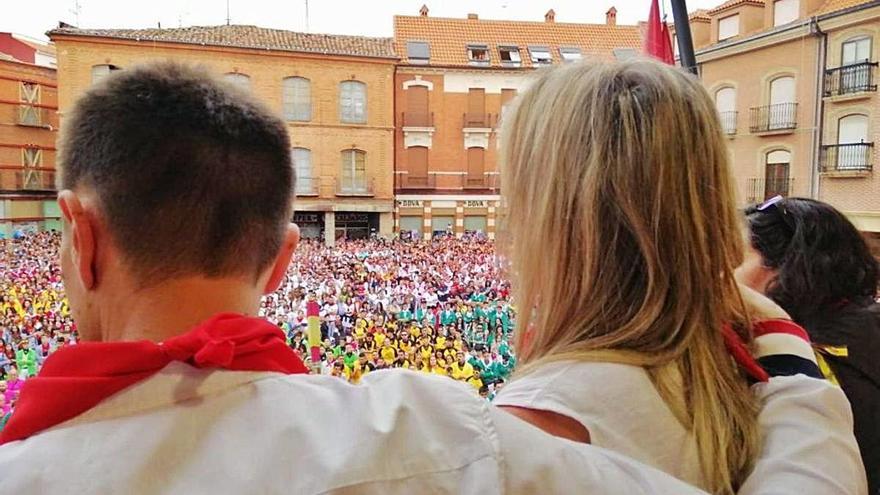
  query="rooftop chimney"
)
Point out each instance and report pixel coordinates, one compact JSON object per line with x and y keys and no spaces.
{"x":423,"y":11}
{"x":611,"y":17}
{"x":550,"y":16}
{"x":473,"y":17}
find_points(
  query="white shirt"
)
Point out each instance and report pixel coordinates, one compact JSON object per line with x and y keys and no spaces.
{"x":194,"y":431}
{"x":807,"y":425}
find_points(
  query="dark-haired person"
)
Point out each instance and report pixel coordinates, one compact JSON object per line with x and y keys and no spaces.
{"x":176,"y":191}
{"x":812,"y":261}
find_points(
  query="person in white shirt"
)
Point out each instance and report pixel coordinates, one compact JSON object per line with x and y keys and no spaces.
{"x":176,"y":390}
{"x":624,"y":237}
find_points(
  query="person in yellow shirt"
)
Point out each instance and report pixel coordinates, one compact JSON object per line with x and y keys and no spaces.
{"x":461,"y":369}
{"x":379,"y":336}
{"x":388,"y":352}
{"x":436,"y":368}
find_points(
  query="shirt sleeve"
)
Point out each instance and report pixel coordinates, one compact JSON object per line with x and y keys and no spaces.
{"x":809,"y":447}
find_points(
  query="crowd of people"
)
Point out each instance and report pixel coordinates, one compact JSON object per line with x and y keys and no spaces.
{"x":432,"y":306}
{"x":436,"y":306}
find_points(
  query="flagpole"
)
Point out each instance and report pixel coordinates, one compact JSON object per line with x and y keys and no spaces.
{"x":683,"y":35}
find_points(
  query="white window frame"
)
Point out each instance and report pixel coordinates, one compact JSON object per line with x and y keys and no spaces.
{"x":297,"y":98}
{"x":306,"y":182}
{"x":353,"y":102}
{"x":728,"y":27}
{"x":239,"y":80}
{"x":356,"y":183}
{"x":418,"y":59}
{"x":473,"y":49}
{"x":856,"y":42}
{"x":515,"y":57}
{"x":540,"y":55}
{"x":790,"y":14}
{"x":570,"y":54}
{"x":101,"y":71}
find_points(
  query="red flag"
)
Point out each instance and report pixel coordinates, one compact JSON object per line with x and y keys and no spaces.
{"x":657,"y":40}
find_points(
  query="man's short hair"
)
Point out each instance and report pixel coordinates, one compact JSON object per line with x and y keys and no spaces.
{"x":193,"y":175}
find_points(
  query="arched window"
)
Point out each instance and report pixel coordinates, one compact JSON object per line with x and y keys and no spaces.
{"x":725,"y":101}
{"x":101,"y":71}
{"x":353,"y":176}
{"x":297,"y":99}
{"x":776,"y":180}
{"x":243,"y":81}
{"x":353,"y":102}
{"x":853,"y":149}
{"x":417,"y":107}
{"x":302,"y":163}
{"x":783,"y":109}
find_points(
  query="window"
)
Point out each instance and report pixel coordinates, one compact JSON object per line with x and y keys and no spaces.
{"x":782,"y":103}
{"x":785,"y":11}
{"x":856,"y":51}
{"x":478,"y":54}
{"x":507,"y":95}
{"x":776,"y":181}
{"x":29,"y":95}
{"x":238,"y":79}
{"x":475,"y":167}
{"x":353,"y":102}
{"x":297,"y":99}
{"x":417,"y":166}
{"x":411,"y":226}
{"x":417,"y":104}
{"x":302,"y":163}
{"x":853,"y":150}
{"x":101,"y":71}
{"x":418,"y":52}
{"x":728,"y":27}
{"x":31,"y":160}
{"x":354,"y":172}
{"x":572,"y":54}
{"x":624,"y":54}
{"x":510,"y":56}
{"x":476,"y":115}
{"x":725,"y":101}
{"x":540,"y":55}
{"x":475,"y":223}
{"x":441,"y":225}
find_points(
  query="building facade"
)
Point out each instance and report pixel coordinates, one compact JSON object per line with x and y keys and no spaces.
{"x":28,"y":127}
{"x":335,"y":93}
{"x":453,"y":81}
{"x":795,"y":86}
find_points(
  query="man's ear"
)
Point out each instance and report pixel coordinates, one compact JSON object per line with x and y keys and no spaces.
{"x":282,"y":261}
{"x":82,"y":236}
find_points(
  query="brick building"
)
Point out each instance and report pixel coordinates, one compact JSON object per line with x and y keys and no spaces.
{"x":452,"y":83}
{"x":28,"y":127}
{"x":802,"y":119}
{"x":335,"y":92}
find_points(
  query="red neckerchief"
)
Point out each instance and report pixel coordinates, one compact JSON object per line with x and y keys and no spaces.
{"x":76,"y":378}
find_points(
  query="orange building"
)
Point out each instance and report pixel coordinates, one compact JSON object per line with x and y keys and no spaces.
{"x":28,"y":126}
{"x":452,"y":83}
{"x":335,"y":92}
{"x":795,"y":85}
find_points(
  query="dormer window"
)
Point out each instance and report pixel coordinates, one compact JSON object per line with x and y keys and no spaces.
{"x":478,"y":55}
{"x":510,"y":56}
{"x":728,"y":27}
{"x":540,"y":55}
{"x":570,"y":54}
{"x":785,"y":11}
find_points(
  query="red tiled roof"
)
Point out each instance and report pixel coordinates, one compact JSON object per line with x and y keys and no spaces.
{"x":449,"y":38}
{"x":239,"y":36}
{"x":735,"y":3}
{"x":699,"y":15}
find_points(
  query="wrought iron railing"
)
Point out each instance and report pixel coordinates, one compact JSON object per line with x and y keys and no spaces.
{"x":728,"y":122}
{"x":854,"y":157}
{"x":357,"y":186}
{"x":761,"y":188}
{"x":412,"y":181}
{"x":482,"y":120}
{"x":768,"y":118}
{"x":418,"y":119}
{"x":848,"y":79}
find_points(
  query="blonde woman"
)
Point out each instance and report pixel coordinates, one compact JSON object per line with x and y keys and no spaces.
{"x":623,"y":238}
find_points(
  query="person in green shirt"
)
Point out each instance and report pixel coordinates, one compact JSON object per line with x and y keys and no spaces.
{"x":26,"y":358}
{"x":350,"y":357}
{"x":448,"y":317}
{"x":404,"y":315}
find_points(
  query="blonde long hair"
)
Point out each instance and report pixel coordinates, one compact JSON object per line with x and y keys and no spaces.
{"x":622,"y":238}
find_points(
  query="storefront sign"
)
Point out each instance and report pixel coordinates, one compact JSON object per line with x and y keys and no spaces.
{"x":352,"y":217}
{"x":307,"y":217}
{"x":409,"y":203}
{"x":475,"y":204}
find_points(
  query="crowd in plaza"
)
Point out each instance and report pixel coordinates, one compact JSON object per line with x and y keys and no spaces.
{"x":431,"y":306}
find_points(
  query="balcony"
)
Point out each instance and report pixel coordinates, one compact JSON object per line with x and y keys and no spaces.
{"x":482,"y":182}
{"x":761,"y":189}
{"x":728,"y":122}
{"x":477,"y":120}
{"x":355,"y":187}
{"x":307,"y":186}
{"x":773,"y":119}
{"x":409,"y":181}
{"x":850,"y":79}
{"x":856,"y":157}
{"x":16,"y":178}
{"x":417,"y":119}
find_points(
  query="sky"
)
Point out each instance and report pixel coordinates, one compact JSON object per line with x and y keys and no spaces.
{"x":357,"y":17}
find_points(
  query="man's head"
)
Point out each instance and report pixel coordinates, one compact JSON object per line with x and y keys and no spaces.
{"x":168,"y":173}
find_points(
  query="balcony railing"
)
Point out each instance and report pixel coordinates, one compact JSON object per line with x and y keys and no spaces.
{"x":728,"y":122}
{"x":358,"y":186}
{"x":761,"y":189}
{"x":418,"y":119}
{"x":307,"y":186}
{"x":855,"y":78}
{"x":484,"y":181}
{"x":410,"y":181}
{"x":20,"y":179}
{"x":856,"y":157}
{"x":769,"y":118}
{"x":481,"y":120}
